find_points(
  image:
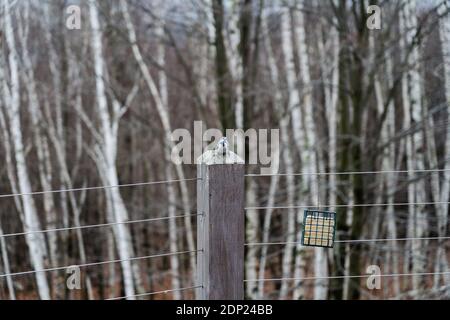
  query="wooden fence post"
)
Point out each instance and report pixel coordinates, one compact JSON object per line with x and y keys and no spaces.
{"x":220,"y":227}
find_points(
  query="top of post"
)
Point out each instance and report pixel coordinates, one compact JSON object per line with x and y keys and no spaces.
{"x":220,"y":155}
{"x":211,"y":157}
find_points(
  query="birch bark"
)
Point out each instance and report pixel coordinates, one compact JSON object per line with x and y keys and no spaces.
{"x":413,"y":112}
{"x":35,"y":241}
{"x":163,"y":89}
{"x":274,"y":180}
{"x":294,"y":111}
{"x":441,"y":257}
{"x":106,"y":152}
{"x":310,"y":182}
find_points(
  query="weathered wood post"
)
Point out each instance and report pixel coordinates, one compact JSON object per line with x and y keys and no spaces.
{"x":220,"y":226}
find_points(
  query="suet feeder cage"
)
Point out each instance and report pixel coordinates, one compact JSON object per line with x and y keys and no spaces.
{"x":319,"y":228}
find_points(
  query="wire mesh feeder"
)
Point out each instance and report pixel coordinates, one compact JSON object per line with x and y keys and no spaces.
{"x":319,"y":228}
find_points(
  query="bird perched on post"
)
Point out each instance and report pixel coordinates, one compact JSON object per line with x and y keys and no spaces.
{"x":222,"y":146}
{"x":220,"y":155}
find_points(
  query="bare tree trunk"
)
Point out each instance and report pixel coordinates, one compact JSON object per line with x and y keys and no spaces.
{"x":266,"y":232}
{"x":392,"y":179}
{"x":6,"y":266}
{"x":163,"y":89}
{"x":236,"y":67}
{"x":291,"y":214}
{"x":309,"y":158}
{"x":252,"y":227}
{"x":441,"y":256}
{"x":274,"y":180}
{"x":105,"y":155}
{"x":340,"y":258}
{"x":223,"y":74}
{"x":35,"y":241}
{"x":42,"y":148}
{"x":388,"y":163}
{"x":330,"y":70}
{"x":12,"y":178}
{"x":173,"y":233}
{"x":294,"y":110}
{"x":413,"y":111}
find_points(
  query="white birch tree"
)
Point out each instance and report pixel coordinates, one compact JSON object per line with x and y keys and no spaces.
{"x":310,"y":180}
{"x":105,"y":154}
{"x":277,"y":99}
{"x":413,"y":111}
{"x":11,"y":93}
{"x":441,"y":190}
{"x":293,"y":105}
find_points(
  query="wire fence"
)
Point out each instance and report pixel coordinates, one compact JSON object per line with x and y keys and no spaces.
{"x":349,"y":241}
{"x":387,"y":275}
{"x":137,"y":184}
{"x":190,"y":215}
{"x":147,"y":183}
{"x":418,"y":174}
{"x":395,"y":204}
{"x":154,"y":293}
{"x":84,"y":265}
{"x":102,"y":225}
{"x":345,"y":173}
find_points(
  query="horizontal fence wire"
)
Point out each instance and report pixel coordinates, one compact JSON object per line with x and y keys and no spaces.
{"x":96,"y":225}
{"x":137,"y":184}
{"x":349,"y":241}
{"x":344,"y":173}
{"x":153,"y":293}
{"x":97,"y":263}
{"x":351,"y":276}
{"x":349,"y":205}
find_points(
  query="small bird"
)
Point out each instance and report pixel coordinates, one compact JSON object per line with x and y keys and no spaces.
{"x":222,"y":146}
